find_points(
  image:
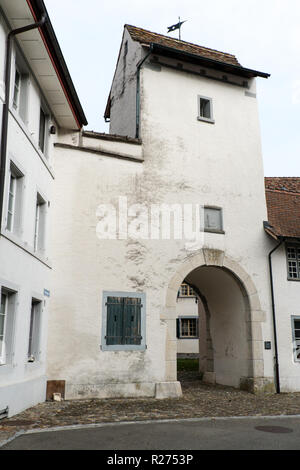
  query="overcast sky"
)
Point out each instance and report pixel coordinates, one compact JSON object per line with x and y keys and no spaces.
{"x":263,"y":34}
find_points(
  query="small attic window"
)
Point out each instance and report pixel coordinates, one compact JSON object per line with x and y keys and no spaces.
{"x":126,"y":48}
{"x":205,"y":110}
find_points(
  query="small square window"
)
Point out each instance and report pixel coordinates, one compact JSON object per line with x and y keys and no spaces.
{"x":205,"y":111}
{"x":213,"y":220}
{"x":187,"y":328}
{"x":186,"y":291}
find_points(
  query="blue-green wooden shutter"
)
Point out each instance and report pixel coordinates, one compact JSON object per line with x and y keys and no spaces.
{"x":132,"y":320}
{"x":114,"y":331}
{"x":178,"y":327}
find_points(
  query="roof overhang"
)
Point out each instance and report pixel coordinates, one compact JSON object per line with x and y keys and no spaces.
{"x":43,"y":54}
{"x":206,"y":62}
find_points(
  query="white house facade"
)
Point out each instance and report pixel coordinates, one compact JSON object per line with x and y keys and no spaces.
{"x":34,"y":104}
{"x":283,"y":229}
{"x":188,"y":327}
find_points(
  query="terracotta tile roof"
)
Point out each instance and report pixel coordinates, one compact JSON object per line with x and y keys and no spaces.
{"x":283,"y":204}
{"x":147,"y":37}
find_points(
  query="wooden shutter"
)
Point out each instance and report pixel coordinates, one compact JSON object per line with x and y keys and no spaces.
{"x":123,"y":320}
{"x":132,"y":320}
{"x":114,"y":320}
{"x":178,"y":327}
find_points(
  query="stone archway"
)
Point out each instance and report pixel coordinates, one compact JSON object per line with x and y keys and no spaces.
{"x":254,"y":381}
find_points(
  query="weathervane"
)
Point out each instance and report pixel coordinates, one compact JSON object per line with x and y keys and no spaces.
{"x":176,"y":26}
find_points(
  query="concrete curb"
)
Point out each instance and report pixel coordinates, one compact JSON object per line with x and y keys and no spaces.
{"x":151,"y":421}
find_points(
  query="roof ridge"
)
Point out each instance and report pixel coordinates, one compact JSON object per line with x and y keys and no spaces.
{"x":180,"y":41}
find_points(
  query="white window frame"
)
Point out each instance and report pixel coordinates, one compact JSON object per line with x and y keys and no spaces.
{"x":34,"y":331}
{"x":44,"y":147}
{"x":201,"y":117}
{"x":296,"y":341}
{"x":296,"y":261}
{"x":2,"y":336}
{"x":6,"y":352}
{"x":20,"y":90}
{"x":186,"y":288}
{"x":14,"y":194}
{"x":39,"y":224}
{"x":207,"y":227}
{"x":17,"y":89}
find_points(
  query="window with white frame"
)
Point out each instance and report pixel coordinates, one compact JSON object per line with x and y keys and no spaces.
{"x":123,"y":321}
{"x":20,"y":91}
{"x":187,"y":327}
{"x":213,"y":220}
{"x":296,"y":338}
{"x":293,"y":261}
{"x":3,"y":317}
{"x":17,"y":89}
{"x":42,"y":131}
{"x":205,"y":109}
{"x":34,"y":331}
{"x":14,"y":203}
{"x":39,"y":226}
{"x":186,"y":291}
{"x":7,"y":307}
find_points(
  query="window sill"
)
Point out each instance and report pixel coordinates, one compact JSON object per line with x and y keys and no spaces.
{"x":191,"y":337}
{"x":123,"y":347}
{"x":24,"y":128}
{"x":14,"y":238}
{"x":33,"y":365}
{"x":208,"y":120}
{"x":186,"y":297}
{"x":211,"y":230}
{"x":293,"y":279}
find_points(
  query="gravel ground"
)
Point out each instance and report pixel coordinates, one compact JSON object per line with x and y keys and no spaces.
{"x":198,"y":400}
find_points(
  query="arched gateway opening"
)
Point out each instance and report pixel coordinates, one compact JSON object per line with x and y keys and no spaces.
{"x":230,"y":320}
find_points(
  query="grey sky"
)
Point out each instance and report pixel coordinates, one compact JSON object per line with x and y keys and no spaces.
{"x":263,"y":34}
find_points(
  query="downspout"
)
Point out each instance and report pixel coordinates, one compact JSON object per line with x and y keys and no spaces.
{"x":277,"y":377}
{"x":138,"y":100}
{"x":4,"y":130}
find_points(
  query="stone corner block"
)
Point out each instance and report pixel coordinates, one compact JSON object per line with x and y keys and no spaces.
{"x":165,"y":390}
{"x":258,"y":385}
{"x":209,"y":378}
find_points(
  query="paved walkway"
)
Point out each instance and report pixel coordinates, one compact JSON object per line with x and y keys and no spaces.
{"x":198,"y":400}
{"x":244,"y":433}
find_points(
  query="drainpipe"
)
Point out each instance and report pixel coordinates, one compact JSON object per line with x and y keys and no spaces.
{"x":3,"y":148}
{"x":139,"y":65}
{"x":277,"y":377}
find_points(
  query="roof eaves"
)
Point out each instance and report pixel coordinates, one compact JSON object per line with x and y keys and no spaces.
{"x":212,"y":63}
{"x":39,"y":9}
